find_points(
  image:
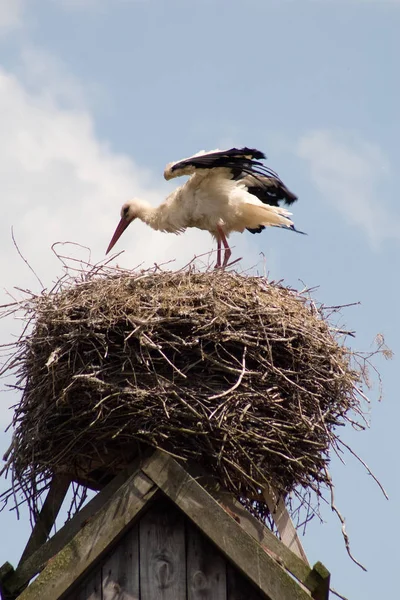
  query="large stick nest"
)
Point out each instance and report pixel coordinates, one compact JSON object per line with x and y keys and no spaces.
{"x":245,"y":377}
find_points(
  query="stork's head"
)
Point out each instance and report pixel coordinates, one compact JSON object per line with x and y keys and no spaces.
{"x":129,"y":212}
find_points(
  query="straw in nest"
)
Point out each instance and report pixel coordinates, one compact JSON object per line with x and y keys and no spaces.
{"x":245,"y":377}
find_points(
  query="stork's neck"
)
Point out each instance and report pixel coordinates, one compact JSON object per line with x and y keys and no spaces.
{"x":148,"y":214}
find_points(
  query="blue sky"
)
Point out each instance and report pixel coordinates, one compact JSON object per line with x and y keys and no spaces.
{"x":97,"y":96}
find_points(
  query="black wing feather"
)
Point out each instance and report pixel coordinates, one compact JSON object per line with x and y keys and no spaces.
{"x":270,"y":190}
{"x":244,"y":162}
{"x":233,"y":158}
{"x":257,"y":230}
{"x":241,"y":162}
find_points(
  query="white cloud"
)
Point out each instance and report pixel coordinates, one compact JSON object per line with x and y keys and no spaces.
{"x":11,"y":13}
{"x":348,"y":173}
{"x":59,"y":182}
{"x":44,"y":76}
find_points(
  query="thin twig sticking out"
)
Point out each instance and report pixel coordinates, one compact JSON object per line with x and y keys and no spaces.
{"x":342,"y":521}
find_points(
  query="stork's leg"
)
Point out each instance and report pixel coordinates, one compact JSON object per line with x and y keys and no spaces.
{"x":228,"y":251}
{"x":218,"y":263}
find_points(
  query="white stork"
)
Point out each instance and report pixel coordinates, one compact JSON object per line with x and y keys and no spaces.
{"x":227,"y":190}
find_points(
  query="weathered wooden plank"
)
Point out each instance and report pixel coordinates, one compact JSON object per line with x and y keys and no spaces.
{"x":46,"y":519}
{"x":311,"y":578}
{"x":104,"y":529}
{"x":237,"y":545}
{"x":271,"y":544}
{"x":322,"y":591}
{"x":120,"y":571}
{"x":6,"y":570}
{"x":35,"y":563}
{"x":206,"y":567}
{"x":239,"y":588}
{"x":162,"y":553}
{"x":89,"y":589}
{"x":283,"y":522}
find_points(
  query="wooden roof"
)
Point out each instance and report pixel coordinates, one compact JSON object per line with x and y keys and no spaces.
{"x":250,"y":552}
{"x":164,"y":556}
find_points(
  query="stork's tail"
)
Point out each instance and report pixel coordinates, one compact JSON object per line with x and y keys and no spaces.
{"x":258,"y":217}
{"x":255,"y":215}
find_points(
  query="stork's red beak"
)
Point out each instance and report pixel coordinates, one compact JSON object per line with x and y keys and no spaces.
{"x":122,"y":225}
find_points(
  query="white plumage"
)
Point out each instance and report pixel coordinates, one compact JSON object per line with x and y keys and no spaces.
{"x":226,"y":191}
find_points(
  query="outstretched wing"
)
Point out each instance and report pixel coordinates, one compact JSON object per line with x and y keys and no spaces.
{"x":242,"y":164}
{"x":237,"y":160}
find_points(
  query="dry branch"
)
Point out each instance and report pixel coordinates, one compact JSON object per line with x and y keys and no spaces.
{"x":246,"y":377}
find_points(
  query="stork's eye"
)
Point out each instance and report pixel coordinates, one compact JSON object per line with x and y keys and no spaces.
{"x":125,"y":211}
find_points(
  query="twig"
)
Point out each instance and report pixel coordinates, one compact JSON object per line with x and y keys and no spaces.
{"x":236,"y":385}
{"x":335,"y":593}
{"x":342,"y":443}
{"x":342,"y":521}
{"x":24,"y":259}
